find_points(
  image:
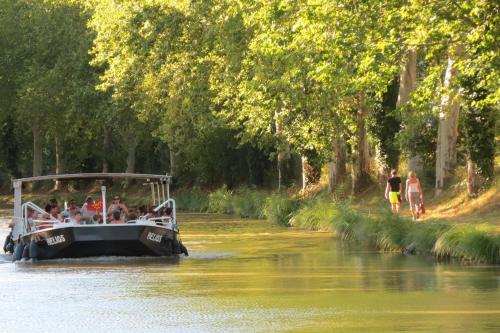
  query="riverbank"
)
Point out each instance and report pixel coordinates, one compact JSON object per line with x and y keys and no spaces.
{"x":456,"y":226}
{"x":367,"y":220}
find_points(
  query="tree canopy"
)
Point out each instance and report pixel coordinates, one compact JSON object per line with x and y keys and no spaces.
{"x":218,"y":91}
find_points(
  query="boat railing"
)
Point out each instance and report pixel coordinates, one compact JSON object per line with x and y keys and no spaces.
{"x":170,"y":203}
{"x":33,"y":225}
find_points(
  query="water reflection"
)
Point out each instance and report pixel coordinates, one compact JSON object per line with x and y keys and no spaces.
{"x":249,"y":276}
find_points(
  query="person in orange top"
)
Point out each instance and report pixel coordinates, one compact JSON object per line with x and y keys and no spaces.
{"x":414,"y":194}
{"x":88,"y":208}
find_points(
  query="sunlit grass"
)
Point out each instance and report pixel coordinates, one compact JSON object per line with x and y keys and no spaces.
{"x":279,"y":208}
{"x":389,"y":232}
{"x":472,"y":243}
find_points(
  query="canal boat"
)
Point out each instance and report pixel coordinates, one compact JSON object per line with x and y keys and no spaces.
{"x":47,"y":237}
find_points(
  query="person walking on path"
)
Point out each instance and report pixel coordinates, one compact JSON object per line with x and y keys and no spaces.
{"x":393,"y":191}
{"x":414,"y":194}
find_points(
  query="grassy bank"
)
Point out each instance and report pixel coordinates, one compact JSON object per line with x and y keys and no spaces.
{"x":478,"y":242}
{"x":388,"y":232}
{"x":443,"y":233}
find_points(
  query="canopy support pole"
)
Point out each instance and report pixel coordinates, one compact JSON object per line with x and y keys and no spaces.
{"x":103,"y":191}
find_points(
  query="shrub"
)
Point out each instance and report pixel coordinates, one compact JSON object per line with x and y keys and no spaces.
{"x":279,"y":208}
{"x":220,"y":201}
{"x":349,"y":224}
{"x":317,"y":216}
{"x":193,"y":200}
{"x":248,"y":203}
{"x":422,"y":237}
{"x":470,"y":243}
{"x":392,"y":232}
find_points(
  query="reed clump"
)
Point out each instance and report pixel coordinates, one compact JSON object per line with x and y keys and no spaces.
{"x":389,"y":232}
{"x":193,"y":200}
{"x":471,"y":243}
{"x":386,"y":232}
{"x":243,"y":202}
{"x":279,"y":208}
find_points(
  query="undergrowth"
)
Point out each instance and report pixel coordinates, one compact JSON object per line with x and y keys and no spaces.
{"x":386,"y":231}
{"x":389,"y":232}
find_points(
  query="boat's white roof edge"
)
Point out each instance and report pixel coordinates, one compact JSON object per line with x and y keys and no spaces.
{"x":94,"y":176}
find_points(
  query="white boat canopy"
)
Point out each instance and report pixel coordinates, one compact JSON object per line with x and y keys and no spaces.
{"x":158,"y":183}
{"x":75,"y":176}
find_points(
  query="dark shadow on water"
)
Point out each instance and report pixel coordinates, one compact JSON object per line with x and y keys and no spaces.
{"x":111,"y":262}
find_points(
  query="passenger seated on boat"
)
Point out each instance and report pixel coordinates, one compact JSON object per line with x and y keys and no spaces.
{"x":52,"y":208}
{"x":31,"y":215}
{"x":72,"y":208}
{"x":117,"y":206}
{"x":142,"y":211}
{"x":117,"y":218}
{"x":78,"y":219}
{"x":151,"y":214}
{"x":132,"y":217}
{"x":95,"y":219}
{"x":88,"y":209}
{"x":65,"y":216}
{"x":54,"y":212}
{"x":168,"y":212}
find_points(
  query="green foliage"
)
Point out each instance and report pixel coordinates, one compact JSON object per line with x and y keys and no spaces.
{"x":421,"y":238}
{"x":479,"y":124}
{"x":469,"y":243}
{"x":219,"y":201}
{"x":392,"y":233}
{"x":248,"y":203}
{"x":215,"y":89}
{"x":317,"y":216}
{"x":279,"y":208}
{"x":385,"y":125}
{"x":193,"y":200}
{"x":243,"y":202}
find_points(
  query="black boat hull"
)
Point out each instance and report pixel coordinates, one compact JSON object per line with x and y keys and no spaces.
{"x":103,"y":240}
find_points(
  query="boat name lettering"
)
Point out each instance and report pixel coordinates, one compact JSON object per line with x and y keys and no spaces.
{"x":154,"y":237}
{"x":55,"y":240}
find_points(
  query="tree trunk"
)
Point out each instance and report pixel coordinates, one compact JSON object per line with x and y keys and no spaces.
{"x":408,"y":84}
{"x":106,"y":146}
{"x":473,"y":179}
{"x":37,"y":152}
{"x":383,"y":169}
{"x":283,"y":166}
{"x":360,"y":154}
{"x":408,"y":78}
{"x":283,"y":155}
{"x":337,"y":169}
{"x":59,"y":161}
{"x":131,"y":146}
{"x":446,"y":152}
{"x":310,"y":174}
{"x":171,"y":155}
{"x":415,"y":163}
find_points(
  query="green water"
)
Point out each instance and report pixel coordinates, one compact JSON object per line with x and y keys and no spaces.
{"x":250,"y":276}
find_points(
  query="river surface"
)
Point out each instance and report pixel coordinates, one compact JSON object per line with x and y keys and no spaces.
{"x":249,"y":276}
